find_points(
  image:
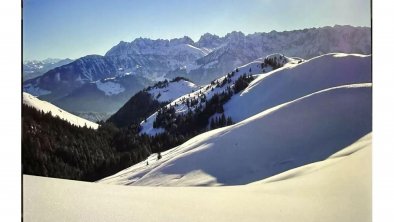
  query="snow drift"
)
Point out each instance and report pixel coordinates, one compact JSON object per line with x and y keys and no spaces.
{"x":290,"y":135}
{"x":46,"y":107}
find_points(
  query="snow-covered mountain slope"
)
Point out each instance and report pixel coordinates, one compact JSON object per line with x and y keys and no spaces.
{"x":182,"y":106}
{"x":294,"y":81}
{"x":172,"y":90}
{"x":46,"y":107}
{"x":115,"y":75}
{"x":109,"y":88}
{"x":66,"y":79}
{"x":287,"y":136}
{"x":295,"y":78}
{"x":147,"y":101}
{"x":335,"y":189}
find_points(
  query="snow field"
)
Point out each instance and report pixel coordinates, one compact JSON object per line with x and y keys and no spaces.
{"x":40,"y":105}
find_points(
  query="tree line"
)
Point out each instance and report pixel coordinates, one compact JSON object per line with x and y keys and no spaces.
{"x":53,"y":147}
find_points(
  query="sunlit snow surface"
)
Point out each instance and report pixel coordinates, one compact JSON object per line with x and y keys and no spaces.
{"x":173,"y":90}
{"x":272,"y":88}
{"x":46,"y":107}
{"x":336,"y":189}
{"x":282,"y":116}
{"x":294,"y":81}
{"x":169,"y":93}
{"x":290,"y":135}
{"x":209,"y":90}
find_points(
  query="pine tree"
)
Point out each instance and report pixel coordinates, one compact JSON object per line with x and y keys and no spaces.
{"x":213,"y":124}
{"x":223,"y":120}
{"x":229,"y":121}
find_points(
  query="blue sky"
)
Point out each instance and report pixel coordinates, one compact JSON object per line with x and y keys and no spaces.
{"x":74,"y":28}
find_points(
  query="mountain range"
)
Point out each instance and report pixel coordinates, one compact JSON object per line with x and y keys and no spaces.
{"x":34,"y":68}
{"x":90,"y":83}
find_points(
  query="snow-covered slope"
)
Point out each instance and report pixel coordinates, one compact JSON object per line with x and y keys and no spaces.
{"x":216,"y":87}
{"x":148,"y":100}
{"x":172,"y":90}
{"x":109,"y":88}
{"x":295,"y":78}
{"x":46,"y":107}
{"x":335,"y":189}
{"x":294,"y":81}
{"x":290,"y":135}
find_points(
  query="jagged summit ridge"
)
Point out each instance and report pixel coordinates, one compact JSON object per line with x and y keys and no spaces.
{"x":201,"y":62}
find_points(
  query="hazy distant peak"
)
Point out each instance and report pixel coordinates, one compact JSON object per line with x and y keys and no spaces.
{"x":183,"y":40}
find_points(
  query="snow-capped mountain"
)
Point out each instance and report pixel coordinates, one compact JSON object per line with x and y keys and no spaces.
{"x":63,"y":80}
{"x":147,"y":101}
{"x":191,"y":101}
{"x":236,"y":48}
{"x":158,"y":57}
{"x":117,"y":75}
{"x":297,"y":114}
{"x":34,"y":68}
{"x":209,"y":41}
{"x":201,"y":61}
{"x":46,"y":107}
{"x":295,"y":78}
